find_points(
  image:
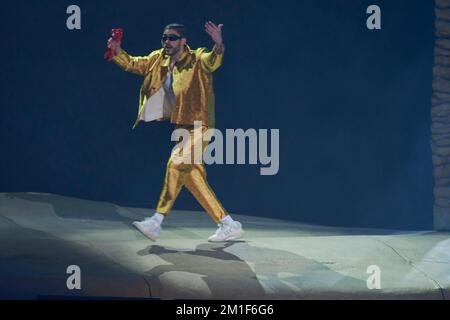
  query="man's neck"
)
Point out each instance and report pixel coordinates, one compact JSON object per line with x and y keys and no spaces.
{"x":174,"y":59}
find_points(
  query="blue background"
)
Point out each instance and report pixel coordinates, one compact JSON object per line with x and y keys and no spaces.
{"x":352,"y":106}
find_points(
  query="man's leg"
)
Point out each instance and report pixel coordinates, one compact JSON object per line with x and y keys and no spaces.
{"x":173,"y":182}
{"x":196,"y":182}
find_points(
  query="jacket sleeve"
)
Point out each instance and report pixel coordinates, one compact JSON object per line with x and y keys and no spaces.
{"x":212,"y":60}
{"x":136,"y":65}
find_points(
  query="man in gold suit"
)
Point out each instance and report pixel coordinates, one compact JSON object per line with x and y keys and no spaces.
{"x":180,"y":78}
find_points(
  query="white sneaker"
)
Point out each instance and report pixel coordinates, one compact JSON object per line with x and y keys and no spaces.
{"x":227,"y":232}
{"x":149,"y":227}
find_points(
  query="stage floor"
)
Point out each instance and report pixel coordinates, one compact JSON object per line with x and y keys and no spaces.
{"x":42,"y":234}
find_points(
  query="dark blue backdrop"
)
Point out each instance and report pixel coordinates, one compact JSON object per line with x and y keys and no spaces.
{"x":352,"y":106}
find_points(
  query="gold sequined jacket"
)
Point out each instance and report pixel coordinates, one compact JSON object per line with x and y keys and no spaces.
{"x":192,"y":81}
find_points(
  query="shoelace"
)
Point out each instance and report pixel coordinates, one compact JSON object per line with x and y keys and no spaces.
{"x":151,"y":219}
{"x":225,"y":228}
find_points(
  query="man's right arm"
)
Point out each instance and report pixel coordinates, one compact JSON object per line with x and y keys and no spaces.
{"x":136,"y":65}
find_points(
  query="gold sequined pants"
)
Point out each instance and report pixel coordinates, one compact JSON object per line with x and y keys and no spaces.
{"x":185,"y":168}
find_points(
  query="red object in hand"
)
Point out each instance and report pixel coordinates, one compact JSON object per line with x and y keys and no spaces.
{"x":116,"y":36}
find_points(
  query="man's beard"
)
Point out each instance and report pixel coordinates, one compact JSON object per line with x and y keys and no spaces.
{"x":171,"y":51}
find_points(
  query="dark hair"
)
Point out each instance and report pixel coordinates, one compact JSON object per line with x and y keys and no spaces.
{"x":181,"y":29}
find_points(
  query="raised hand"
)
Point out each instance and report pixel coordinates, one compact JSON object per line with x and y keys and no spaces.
{"x":215,"y":32}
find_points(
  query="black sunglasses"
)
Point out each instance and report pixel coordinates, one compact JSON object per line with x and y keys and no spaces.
{"x":170,"y":37}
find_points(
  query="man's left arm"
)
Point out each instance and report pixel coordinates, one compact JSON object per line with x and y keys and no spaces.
{"x":212,"y":60}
